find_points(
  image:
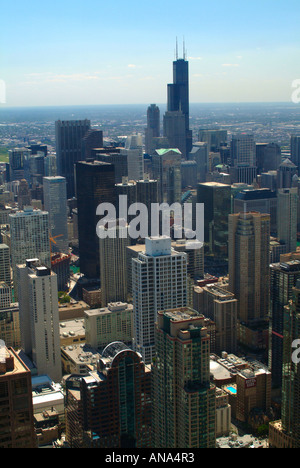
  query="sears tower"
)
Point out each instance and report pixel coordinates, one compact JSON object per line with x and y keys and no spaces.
{"x":176,"y":119}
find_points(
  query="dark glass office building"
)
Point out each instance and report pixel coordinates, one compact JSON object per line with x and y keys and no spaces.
{"x":111,"y":407}
{"x":69,"y":135}
{"x":178,"y":96}
{"x":290,"y":413}
{"x":95,"y":184}
{"x":217,"y":206}
{"x":283,"y":277}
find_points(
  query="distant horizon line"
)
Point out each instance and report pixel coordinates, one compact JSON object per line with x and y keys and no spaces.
{"x":142,"y":104}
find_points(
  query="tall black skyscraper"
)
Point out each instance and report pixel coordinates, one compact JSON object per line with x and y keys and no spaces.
{"x":178,"y":96}
{"x":153,"y":127}
{"x":283,"y":277}
{"x":69,"y":136}
{"x":95,"y":184}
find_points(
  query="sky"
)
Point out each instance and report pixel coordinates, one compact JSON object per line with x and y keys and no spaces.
{"x":71,"y":52}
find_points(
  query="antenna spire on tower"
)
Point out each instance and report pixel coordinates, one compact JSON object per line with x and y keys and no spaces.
{"x":176,"y":49}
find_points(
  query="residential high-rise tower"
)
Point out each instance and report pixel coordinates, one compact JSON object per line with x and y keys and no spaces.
{"x":39,"y":318}
{"x":29,"y":238}
{"x":184,"y":400}
{"x":159,"y":282}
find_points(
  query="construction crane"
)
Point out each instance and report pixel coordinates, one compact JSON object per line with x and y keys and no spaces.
{"x":53,"y":241}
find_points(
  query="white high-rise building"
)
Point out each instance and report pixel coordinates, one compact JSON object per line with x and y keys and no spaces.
{"x":39,"y":317}
{"x":55,"y":202}
{"x":113,"y":263}
{"x":135,"y":157}
{"x":5,"y":274}
{"x":159,"y":282}
{"x":29,"y":238}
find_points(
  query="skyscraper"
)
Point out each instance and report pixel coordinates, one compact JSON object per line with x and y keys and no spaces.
{"x":153,"y":127}
{"x":271,"y":159}
{"x":29,"y":238}
{"x":167,"y":172}
{"x":283,"y":278}
{"x":5,"y":274}
{"x":92,"y":139}
{"x":200,"y":154}
{"x":118,"y":160}
{"x":243,"y":151}
{"x":55,"y":202}
{"x":184,"y":400}
{"x":287,"y":209}
{"x":39,"y":318}
{"x":110,"y":407}
{"x":261,"y":200}
{"x":17,"y":163}
{"x":295,"y":149}
{"x":290,"y":413}
{"x":159,"y":282}
{"x":215,"y":139}
{"x":95,"y":184}
{"x":16,"y":416}
{"x":147,"y":194}
{"x":195,"y":263}
{"x":249,"y":251}
{"x":285,"y":174}
{"x":113,"y":244}
{"x":69,"y":135}
{"x":285,"y":433}
{"x":24,"y":198}
{"x":243,"y":158}
{"x":221,"y":307}
{"x":135,"y":158}
{"x":50,"y":165}
{"x":217,"y":206}
{"x":178,"y":97}
{"x":174,"y":131}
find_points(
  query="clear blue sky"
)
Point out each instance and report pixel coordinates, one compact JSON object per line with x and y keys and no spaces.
{"x":120,"y":52}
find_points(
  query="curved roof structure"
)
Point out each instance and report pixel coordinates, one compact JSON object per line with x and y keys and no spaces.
{"x":113,"y":349}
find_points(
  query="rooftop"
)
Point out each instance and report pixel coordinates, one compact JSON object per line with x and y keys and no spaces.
{"x":179,"y":315}
{"x":112,"y":307}
{"x":163,"y":151}
{"x":71,"y":328}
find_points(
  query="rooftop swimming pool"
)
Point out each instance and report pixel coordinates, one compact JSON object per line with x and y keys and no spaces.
{"x":232,"y":389}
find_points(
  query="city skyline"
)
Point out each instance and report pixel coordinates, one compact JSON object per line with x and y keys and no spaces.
{"x":150,"y":253}
{"x":120,"y":54}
